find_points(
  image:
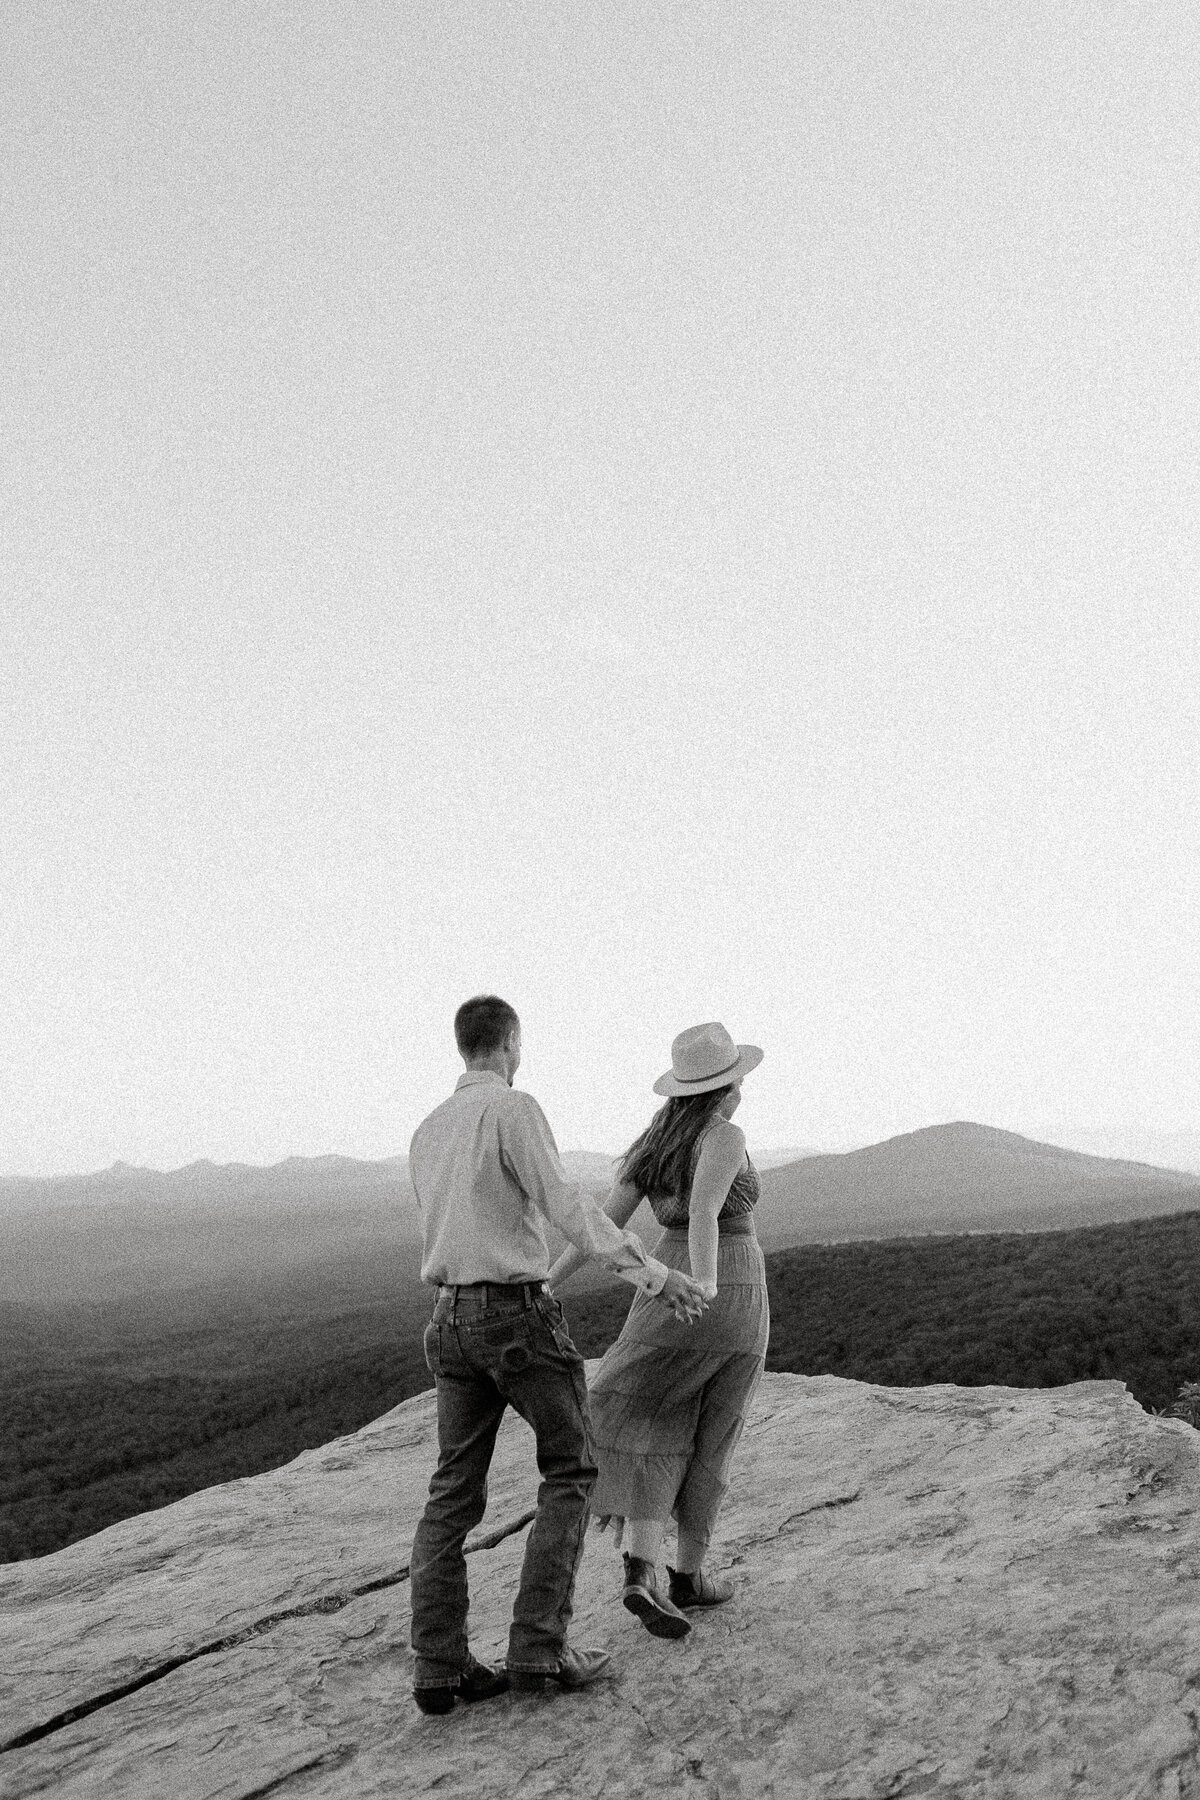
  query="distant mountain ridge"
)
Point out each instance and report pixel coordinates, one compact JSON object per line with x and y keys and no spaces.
{"x":1164,"y":1149}
{"x":292,"y":1176}
{"x":960,"y":1177}
{"x":296,"y":1178}
{"x":128,"y":1230}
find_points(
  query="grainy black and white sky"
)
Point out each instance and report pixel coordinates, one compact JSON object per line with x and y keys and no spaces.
{"x":667,"y":512}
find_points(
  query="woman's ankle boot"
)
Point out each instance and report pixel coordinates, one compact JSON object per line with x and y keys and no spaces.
{"x":698,"y":1589}
{"x":642,"y":1597}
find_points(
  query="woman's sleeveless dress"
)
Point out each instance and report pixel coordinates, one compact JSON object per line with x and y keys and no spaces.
{"x":669,"y":1400}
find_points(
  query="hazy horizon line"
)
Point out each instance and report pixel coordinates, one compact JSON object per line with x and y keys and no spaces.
{"x":1186,"y":1138}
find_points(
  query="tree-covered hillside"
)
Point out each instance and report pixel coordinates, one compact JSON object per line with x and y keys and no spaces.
{"x":108,"y":1410}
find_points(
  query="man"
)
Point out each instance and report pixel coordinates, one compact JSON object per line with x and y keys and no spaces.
{"x":487,"y":1177}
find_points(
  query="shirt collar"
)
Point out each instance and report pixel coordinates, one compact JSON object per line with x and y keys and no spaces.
{"x":470,"y":1077}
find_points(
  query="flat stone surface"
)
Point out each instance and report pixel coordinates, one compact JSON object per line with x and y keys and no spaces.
{"x":955,"y":1591}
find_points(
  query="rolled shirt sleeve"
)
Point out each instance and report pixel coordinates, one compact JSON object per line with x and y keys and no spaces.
{"x":530,"y":1156}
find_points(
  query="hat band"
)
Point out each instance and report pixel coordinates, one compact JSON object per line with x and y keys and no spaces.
{"x":712,"y":1073}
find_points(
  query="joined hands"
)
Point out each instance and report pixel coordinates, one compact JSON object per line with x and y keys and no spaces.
{"x":684,"y":1296}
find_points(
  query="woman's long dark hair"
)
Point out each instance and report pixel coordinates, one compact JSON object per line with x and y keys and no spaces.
{"x":660,"y":1161}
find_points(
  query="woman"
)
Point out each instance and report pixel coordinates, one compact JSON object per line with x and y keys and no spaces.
{"x":668,"y":1403}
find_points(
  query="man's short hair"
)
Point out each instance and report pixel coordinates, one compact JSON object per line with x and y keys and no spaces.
{"x":482,"y":1024}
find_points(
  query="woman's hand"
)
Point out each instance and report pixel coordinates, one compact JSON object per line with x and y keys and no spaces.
{"x":683,"y":1296}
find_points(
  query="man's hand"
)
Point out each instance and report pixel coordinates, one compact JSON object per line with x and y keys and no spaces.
{"x":683,"y":1296}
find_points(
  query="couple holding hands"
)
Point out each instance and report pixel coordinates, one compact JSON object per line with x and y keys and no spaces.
{"x":655,"y":1436}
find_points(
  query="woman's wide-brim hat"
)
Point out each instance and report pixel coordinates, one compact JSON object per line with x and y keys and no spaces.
{"x":705,"y":1057}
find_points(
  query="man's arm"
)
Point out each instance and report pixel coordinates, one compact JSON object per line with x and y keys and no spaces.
{"x":622,"y":1203}
{"x":530,"y":1154}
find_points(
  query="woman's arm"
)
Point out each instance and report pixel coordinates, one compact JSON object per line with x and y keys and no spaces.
{"x":721,"y":1156}
{"x":623,"y":1201}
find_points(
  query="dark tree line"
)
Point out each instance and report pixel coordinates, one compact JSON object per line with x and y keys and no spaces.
{"x":105,"y":1412}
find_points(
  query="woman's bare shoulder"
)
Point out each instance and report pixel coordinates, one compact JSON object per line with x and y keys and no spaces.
{"x":724,"y":1140}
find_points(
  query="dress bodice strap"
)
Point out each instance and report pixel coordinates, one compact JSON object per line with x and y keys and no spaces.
{"x":673,"y":1210}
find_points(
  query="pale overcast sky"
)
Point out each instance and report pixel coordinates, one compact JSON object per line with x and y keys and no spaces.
{"x":664,"y":512}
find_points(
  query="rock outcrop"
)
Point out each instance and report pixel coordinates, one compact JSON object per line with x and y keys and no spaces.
{"x":940,"y":1591}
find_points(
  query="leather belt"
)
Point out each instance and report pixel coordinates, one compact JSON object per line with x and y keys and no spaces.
{"x":485,"y":1290}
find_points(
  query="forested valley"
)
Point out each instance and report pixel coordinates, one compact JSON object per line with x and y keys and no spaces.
{"x":106,"y":1411}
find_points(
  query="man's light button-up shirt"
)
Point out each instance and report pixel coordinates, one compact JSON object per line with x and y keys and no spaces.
{"x":487,"y":1177}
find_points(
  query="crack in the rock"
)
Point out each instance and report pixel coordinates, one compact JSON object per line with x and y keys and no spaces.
{"x":646,"y":1725}
{"x":328,"y":1759}
{"x":327,"y":1603}
{"x":1188,"y":1760}
{"x":820,"y":1506}
{"x":691,"y":1763}
{"x":914,"y":1778}
{"x":773,"y":1537}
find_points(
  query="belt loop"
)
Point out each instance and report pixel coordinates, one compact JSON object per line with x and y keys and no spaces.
{"x":484,"y":1286}
{"x":453,"y":1293}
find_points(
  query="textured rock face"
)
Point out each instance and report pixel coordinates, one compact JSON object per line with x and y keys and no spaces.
{"x":944,"y":1590}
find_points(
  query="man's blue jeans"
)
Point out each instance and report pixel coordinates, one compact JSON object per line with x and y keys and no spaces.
{"x":492,"y":1347}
